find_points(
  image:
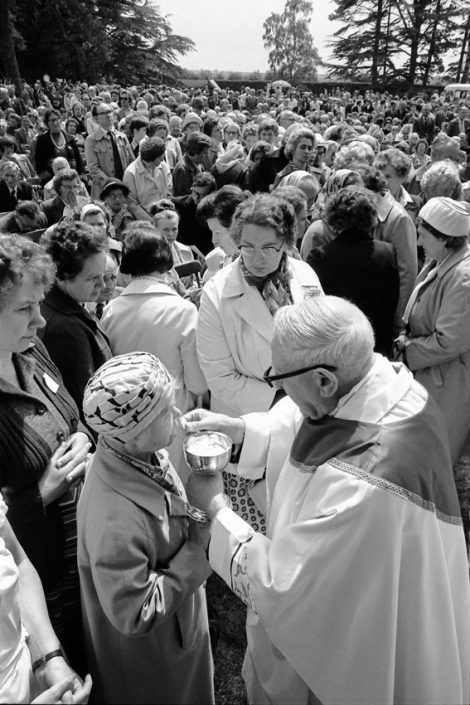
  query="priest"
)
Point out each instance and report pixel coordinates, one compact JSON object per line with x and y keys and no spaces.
{"x":359,"y":592}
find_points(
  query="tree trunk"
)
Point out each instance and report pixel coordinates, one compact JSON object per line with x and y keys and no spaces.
{"x":466,"y":68}
{"x":7,"y":47}
{"x":387,"y":37}
{"x":374,"y":69}
{"x":432,"y":44}
{"x":465,"y":53}
{"x":463,"y":49}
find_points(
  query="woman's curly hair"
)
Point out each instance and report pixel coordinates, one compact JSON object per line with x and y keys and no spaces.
{"x":20,"y":256}
{"x":71,"y":245}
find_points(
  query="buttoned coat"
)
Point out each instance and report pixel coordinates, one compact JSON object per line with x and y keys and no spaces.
{"x":151,"y":316}
{"x":396,"y":227}
{"x":146,"y":187}
{"x":100,"y":159}
{"x":438,"y":350}
{"x":144,"y":610}
{"x":75,"y":341}
{"x":234,"y":334}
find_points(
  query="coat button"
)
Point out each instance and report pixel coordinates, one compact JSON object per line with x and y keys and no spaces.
{"x":60,"y":436}
{"x":41,"y":410}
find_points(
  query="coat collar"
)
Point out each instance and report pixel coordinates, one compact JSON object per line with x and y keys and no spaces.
{"x":384,"y":205}
{"x":60,"y":301}
{"x":148,"y":285}
{"x":100,"y":134}
{"x":135,"y":485}
{"x":249,"y":303}
{"x":451,"y":260}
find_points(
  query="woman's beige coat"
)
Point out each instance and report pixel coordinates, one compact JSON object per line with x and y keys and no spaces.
{"x":438,"y":351}
{"x":144,"y":610}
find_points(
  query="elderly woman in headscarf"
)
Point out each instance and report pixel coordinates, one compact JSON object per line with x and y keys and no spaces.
{"x":320,"y":232}
{"x":231,"y":167}
{"x":141,"y":559}
{"x":306,"y":182}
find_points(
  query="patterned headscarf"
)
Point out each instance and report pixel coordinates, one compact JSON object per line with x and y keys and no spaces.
{"x":126,"y":394}
{"x":336,"y":179}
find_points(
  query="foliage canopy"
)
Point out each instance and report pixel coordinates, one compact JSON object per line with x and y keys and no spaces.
{"x":292,"y":56}
{"x":123,"y":40}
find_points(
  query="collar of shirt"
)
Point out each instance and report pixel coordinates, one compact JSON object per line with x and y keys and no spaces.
{"x":141,"y":169}
{"x":377,"y":393}
{"x":100,"y":134}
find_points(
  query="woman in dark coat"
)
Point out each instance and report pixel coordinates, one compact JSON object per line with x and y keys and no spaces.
{"x":357,"y":267}
{"x":42,"y":451}
{"x":73,"y":335}
{"x":54,"y":143}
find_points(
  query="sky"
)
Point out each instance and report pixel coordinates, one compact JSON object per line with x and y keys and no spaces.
{"x":228,"y":33}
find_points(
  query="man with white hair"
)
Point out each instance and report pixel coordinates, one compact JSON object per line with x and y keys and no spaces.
{"x":359,"y":593}
{"x":59,"y":164}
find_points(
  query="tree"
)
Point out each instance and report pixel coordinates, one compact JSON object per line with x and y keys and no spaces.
{"x":7,"y":46}
{"x":142,"y":46}
{"x":364,"y":41}
{"x":459,"y":70}
{"x":394,"y":39}
{"x":124,"y":40}
{"x":292,"y":54}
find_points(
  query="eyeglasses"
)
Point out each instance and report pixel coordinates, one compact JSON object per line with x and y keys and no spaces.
{"x":231,"y":132}
{"x":273,"y":380}
{"x":105,"y":112}
{"x":266,"y":252}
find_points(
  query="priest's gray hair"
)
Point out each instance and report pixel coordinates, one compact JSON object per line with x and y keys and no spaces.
{"x":327,"y":330}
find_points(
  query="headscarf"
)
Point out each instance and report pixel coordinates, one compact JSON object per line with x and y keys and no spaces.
{"x":294,"y":178}
{"x":234,"y":154}
{"x":126,"y":394}
{"x":335,"y":181}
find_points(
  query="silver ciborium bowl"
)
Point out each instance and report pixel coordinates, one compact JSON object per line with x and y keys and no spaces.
{"x":207,"y":452}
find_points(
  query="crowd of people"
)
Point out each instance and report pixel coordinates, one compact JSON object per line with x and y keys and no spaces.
{"x":291,"y":269}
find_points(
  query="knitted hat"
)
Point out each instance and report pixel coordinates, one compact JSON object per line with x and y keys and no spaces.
{"x":126,"y":394}
{"x":447,"y":216}
{"x":189,"y":118}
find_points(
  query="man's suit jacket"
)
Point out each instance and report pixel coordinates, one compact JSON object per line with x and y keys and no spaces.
{"x":453,"y":128}
{"x":424,"y":127}
{"x":8,"y":202}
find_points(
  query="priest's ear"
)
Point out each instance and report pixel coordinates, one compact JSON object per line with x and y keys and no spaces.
{"x":327,"y":382}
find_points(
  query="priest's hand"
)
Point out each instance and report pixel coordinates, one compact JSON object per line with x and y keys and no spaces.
{"x":203,"y":420}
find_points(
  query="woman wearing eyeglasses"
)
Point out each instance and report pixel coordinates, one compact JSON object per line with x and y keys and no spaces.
{"x":236,"y":317}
